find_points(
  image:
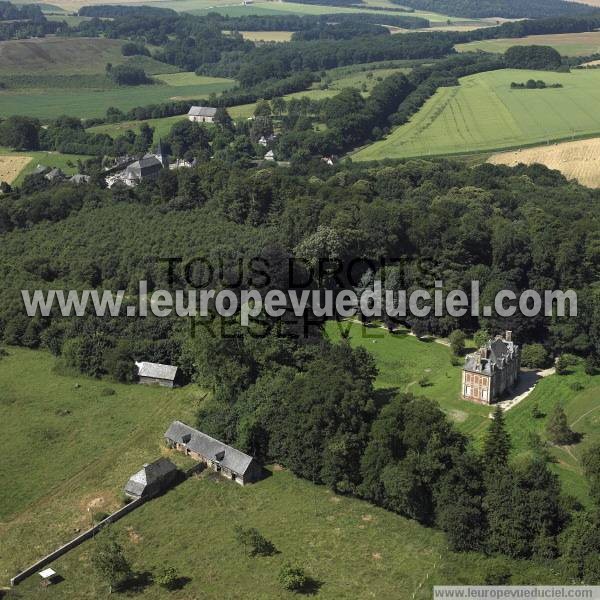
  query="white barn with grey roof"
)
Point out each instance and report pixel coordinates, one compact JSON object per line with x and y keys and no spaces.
{"x":202,"y":114}
{"x":218,"y":456}
{"x":157,"y":374}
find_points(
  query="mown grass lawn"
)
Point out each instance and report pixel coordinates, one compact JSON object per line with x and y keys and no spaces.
{"x":402,"y":360}
{"x":484,"y":113}
{"x":68,"y":449}
{"x":69,"y":444}
{"x":422,"y":367}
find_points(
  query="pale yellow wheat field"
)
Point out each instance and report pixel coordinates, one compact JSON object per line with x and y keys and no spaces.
{"x":11,"y":166}
{"x":578,"y":160}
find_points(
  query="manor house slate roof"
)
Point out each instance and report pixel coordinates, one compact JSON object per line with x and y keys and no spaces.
{"x":208,"y":447}
{"x":499,"y":353}
{"x":148,"y":475}
{"x":202,"y":111}
{"x":156,"y":370}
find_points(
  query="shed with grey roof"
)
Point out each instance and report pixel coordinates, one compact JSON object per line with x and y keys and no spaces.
{"x":152,"y":479}
{"x":202,"y":114}
{"x":220,"y":457}
{"x":157,"y":374}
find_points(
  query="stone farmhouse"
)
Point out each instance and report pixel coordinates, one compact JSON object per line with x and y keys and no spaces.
{"x":216,"y":455}
{"x":157,"y":374}
{"x":202,"y":114}
{"x":152,"y":479}
{"x":491,"y":370}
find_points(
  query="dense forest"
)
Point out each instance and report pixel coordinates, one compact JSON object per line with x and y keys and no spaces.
{"x":290,"y":396}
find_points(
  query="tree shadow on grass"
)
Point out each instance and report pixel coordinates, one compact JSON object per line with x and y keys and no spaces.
{"x":179,"y":583}
{"x":311,"y":587}
{"x":136,"y":583}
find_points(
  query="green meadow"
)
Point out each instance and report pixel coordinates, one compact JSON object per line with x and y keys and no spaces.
{"x":484,"y":113}
{"x":357,"y":76}
{"x":87,"y":103}
{"x":403,"y":361}
{"x":568,"y":44}
{"x":70,"y":443}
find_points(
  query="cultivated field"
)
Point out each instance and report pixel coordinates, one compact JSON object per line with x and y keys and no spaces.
{"x":568,"y":44}
{"x":67,"y":56}
{"x":69,"y":447}
{"x":49,"y":77}
{"x":403,"y":360}
{"x":484,"y":113}
{"x":267,"y":36}
{"x":578,"y":160}
{"x":11,"y":166}
{"x":23,"y":163}
{"x":51,"y":103}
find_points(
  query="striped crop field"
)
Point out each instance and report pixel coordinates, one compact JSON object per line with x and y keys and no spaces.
{"x":484,"y":113}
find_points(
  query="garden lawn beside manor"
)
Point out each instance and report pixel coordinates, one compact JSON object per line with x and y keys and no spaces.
{"x":484,"y":113}
{"x":404,"y":360}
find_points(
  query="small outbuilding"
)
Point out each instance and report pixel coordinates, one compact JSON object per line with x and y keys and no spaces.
{"x":216,"y":455}
{"x":157,"y":374}
{"x":152,"y":479}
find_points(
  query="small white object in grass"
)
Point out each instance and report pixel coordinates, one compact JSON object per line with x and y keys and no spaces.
{"x":47,"y":573}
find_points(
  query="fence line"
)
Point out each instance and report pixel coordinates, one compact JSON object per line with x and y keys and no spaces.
{"x":82,"y":537}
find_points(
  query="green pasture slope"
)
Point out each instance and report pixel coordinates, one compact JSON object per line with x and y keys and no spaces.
{"x":87,"y":103}
{"x":484,"y":113}
{"x":338,"y":79}
{"x":68,"y":446}
{"x":568,"y":44}
{"x":403,"y":361}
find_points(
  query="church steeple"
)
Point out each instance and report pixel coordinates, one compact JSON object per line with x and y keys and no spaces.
{"x":160,"y":154}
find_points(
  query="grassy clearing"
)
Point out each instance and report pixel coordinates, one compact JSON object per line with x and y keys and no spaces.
{"x":483,"y":113}
{"x":568,"y":44}
{"x":28,"y":161}
{"x":583,"y":411}
{"x":578,"y":160}
{"x":403,"y":361}
{"x":70,"y":448}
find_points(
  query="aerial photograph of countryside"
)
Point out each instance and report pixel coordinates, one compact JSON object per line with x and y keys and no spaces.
{"x":300,"y":299}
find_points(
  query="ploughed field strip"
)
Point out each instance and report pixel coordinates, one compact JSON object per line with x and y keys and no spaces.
{"x":484,"y":113}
